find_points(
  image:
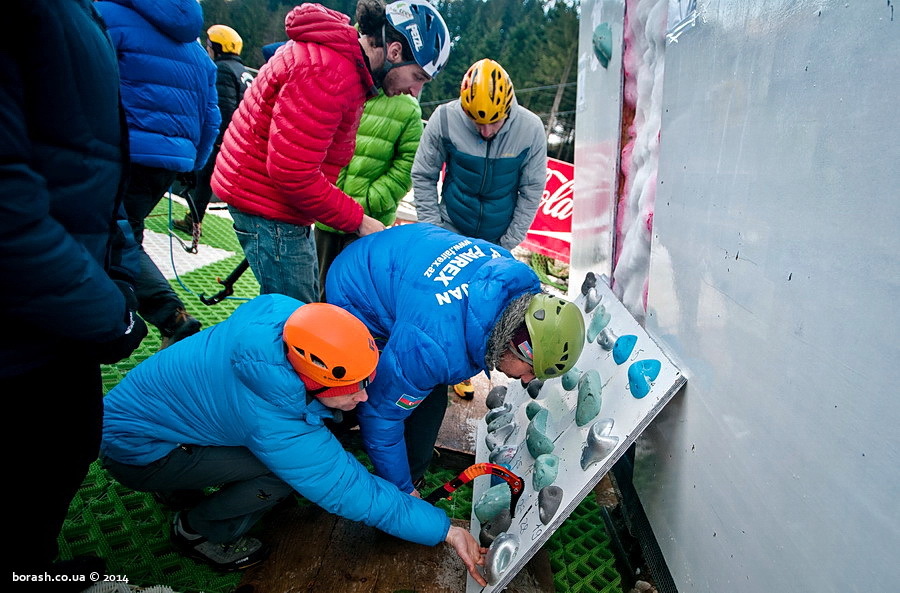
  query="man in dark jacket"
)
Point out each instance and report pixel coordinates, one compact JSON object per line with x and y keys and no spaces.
{"x":224,"y":45}
{"x":169,"y":94}
{"x":66,"y":304}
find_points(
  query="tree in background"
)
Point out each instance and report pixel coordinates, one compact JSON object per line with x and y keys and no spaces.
{"x":536,"y":41}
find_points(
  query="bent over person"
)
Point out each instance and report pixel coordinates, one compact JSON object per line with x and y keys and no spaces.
{"x":243,"y":404}
{"x":443,"y":307}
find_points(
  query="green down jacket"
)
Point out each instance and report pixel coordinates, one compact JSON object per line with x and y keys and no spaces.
{"x":378,"y":175}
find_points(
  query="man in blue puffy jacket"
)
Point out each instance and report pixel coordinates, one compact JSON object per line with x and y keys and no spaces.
{"x":169,"y":94}
{"x":66,"y":303}
{"x":243,"y":403}
{"x":443,"y":307}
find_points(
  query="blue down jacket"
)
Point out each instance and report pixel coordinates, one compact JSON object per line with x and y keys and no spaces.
{"x":231,"y":385}
{"x":431,"y":298}
{"x":168,"y":81}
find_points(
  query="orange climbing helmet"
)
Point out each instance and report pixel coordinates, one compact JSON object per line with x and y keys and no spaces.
{"x":331,"y":347}
{"x":486,"y":92}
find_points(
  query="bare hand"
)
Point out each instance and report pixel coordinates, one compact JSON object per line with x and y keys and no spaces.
{"x":369,"y":225}
{"x":468,"y":550}
{"x":415,"y":493}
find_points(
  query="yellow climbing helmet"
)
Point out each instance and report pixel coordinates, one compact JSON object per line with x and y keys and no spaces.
{"x":226,"y":37}
{"x":486,"y":93}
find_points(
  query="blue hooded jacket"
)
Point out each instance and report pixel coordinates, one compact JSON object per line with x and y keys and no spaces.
{"x":431,"y":298}
{"x":232,"y":386}
{"x":168,"y":81}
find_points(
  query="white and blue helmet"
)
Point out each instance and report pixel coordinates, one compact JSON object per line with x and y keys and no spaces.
{"x":425,"y":31}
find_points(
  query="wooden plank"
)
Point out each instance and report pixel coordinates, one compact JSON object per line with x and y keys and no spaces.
{"x":314,"y":551}
{"x":460,"y":425}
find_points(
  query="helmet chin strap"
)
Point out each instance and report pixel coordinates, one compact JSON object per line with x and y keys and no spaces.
{"x":387,"y":65}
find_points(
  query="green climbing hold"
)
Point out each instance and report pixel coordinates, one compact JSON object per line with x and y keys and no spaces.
{"x":602,"y":42}
{"x":589,"y":397}
{"x":546,"y":468}
{"x":492,"y":501}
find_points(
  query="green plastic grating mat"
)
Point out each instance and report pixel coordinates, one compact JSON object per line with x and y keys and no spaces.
{"x":131,"y":531}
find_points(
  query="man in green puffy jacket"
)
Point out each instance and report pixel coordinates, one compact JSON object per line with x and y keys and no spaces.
{"x":378,"y":176}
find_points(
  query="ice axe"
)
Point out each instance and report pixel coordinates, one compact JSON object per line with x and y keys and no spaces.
{"x":228,"y":283}
{"x":516,"y":484}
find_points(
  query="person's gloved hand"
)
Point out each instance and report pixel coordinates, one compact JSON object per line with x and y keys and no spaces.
{"x":136,"y":330}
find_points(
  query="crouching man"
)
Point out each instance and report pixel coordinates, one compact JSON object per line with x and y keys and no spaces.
{"x":242,"y":404}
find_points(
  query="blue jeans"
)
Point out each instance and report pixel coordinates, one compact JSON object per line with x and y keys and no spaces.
{"x":282,"y":255}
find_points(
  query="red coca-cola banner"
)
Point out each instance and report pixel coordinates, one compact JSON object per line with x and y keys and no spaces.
{"x":551,"y":232}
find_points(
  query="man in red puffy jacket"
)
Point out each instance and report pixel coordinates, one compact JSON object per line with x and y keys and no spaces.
{"x":296,"y":129}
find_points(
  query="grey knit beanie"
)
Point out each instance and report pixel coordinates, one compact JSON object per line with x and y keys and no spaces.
{"x":510,"y":320}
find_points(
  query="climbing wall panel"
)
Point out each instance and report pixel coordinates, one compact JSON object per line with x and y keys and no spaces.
{"x":562,"y":435}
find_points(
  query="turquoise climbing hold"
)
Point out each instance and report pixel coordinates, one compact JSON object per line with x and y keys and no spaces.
{"x":602,"y":42}
{"x":570,"y":379}
{"x":623,"y":347}
{"x":599,"y":320}
{"x":536,"y":438}
{"x":641,"y":376}
{"x":495,"y":499}
{"x":532,"y":409}
{"x":546,"y":468}
{"x":589,"y":397}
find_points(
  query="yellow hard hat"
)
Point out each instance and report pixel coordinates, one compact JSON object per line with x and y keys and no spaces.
{"x":226,"y":37}
{"x":486,"y":93}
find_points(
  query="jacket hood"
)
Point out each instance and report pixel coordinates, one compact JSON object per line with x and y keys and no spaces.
{"x":182,"y":20}
{"x":314,"y":23}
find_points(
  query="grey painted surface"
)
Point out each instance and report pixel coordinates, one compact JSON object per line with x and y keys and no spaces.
{"x":775,"y":282}
{"x":597,"y":120}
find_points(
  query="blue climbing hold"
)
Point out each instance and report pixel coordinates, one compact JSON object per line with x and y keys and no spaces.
{"x":641,"y":375}
{"x":623,"y":348}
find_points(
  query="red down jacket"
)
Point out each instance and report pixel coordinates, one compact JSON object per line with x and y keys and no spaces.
{"x":296,"y":126}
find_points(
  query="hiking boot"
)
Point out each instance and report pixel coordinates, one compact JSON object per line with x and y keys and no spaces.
{"x":464,"y":389}
{"x":181,"y":326}
{"x":242,"y":553}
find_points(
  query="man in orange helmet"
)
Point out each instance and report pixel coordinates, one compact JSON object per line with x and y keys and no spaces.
{"x":243,"y":404}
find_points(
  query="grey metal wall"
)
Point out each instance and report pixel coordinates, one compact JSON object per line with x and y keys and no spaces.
{"x":775,"y":284}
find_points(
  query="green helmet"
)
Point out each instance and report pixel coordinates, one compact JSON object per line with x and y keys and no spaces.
{"x":556,"y":328}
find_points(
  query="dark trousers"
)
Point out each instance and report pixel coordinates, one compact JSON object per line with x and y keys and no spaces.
{"x":420,"y":430}
{"x":249,"y":488}
{"x":156,"y":299}
{"x":53,"y":437}
{"x":328,"y":246}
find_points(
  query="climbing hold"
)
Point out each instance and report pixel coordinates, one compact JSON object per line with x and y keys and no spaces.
{"x":570,"y":379}
{"x":500,"y":436}
{"x":497,"y":412}
{"x":495,"y":396}
{"x":503,"y":455}
{"x":623,"y":348}
{"x":532,"y":408}
{"x":492,"y":501}
{"x":589,"y":397}
{"x":607,"y":338}
{"x":546,"y":468}
{"x":536,"y":438}
{"x":590,"y":281}
{"x":599,"y":320}
{"x":641,"y":376}
{"x":602,"y":42}
{"x":549,"y":499}
{"x":500,"y":420}
{"x":500,"y":556}
{"x":599,"y":443}
{"x":491,"y":529}
{"x":534,"y":387}
{"x":591,"y":300}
